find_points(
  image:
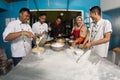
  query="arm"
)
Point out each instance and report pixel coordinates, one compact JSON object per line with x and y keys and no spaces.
{"x":86,"y":38}
{"x":104,"y":40}
{"x":13,"y":36}
{"x":101,"y":41}
{"x":71,"y":37}
{"x":72,"y":30}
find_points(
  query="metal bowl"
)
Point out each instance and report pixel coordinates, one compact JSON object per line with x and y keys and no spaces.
{"x":57,"y":46}
{"x":70,"y":42}
{"x":60,"y":40}
{"x":38,"y":52}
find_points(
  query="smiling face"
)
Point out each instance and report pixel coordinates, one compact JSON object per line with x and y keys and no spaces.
{"x":79,"y":21}
{"x":42,"y":19}
{"x":24,"y":16}
{"x":93,"y":15}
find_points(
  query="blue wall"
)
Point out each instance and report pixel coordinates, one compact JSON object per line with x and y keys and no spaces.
{"x":64,"y":4}
{"x":12,"y":10}
{"x":115,"y":20}
{"x":3,"y":5}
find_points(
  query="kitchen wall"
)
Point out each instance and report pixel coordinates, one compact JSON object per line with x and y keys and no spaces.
{"x":12,"y":10}
{"x":3,"y":5}
{"x":112,"y":9}
{"x":115,"y":20}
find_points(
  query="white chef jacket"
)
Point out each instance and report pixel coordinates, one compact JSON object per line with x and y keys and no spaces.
{"x":22,"y":45}
{"x":39,"y":28}
{"x":98,"y":32}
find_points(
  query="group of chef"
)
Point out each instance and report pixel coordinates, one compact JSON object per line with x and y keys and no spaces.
{"x":20,"y":34}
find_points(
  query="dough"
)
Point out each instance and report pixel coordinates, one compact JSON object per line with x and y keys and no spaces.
{"x":38,"y":49}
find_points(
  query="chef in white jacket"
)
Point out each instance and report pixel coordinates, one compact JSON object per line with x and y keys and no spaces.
{"x":20,"y":34}
{"x":100,"y":32}
{"x":40,"y":26}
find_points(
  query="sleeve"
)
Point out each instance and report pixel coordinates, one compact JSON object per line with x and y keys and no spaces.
{"x":108,"y":26}
{"x":33,"y":28}
{"x":8,"y":29}
{"x":46,"y":29}
{"x":30,"y":29}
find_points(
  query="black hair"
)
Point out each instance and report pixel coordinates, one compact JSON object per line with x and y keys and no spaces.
{"x":96,"y":9}
{"x":59,"y":17}
{"x":43,"y":14}
{"x":24,"y":9}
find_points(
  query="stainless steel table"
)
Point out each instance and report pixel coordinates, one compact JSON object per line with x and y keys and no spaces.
{"x":62,"y":65}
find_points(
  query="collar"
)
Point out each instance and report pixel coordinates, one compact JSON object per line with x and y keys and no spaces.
{"x":98,"y":23}
{"x":40,"y":23}
{"x":20,"y":22}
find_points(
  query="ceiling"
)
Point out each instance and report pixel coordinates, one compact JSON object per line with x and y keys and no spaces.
{"x":107,"y":5}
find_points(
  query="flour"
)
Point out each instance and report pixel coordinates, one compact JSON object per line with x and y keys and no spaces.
{"x":62,"y":66}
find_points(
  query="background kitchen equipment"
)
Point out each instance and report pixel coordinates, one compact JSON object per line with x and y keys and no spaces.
{"x":5,"y":64}
{"x":43,"y":38}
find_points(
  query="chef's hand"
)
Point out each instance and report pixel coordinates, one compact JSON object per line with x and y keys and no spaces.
{"x":38,"y":35}
{"x":74,"y":44}
{"x":72,"y":37}
{"x":88,"y":45}
{"x":81,"y":46}
{"x":28,"y":34}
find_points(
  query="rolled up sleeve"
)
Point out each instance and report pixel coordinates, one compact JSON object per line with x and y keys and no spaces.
{"x":8,"y":29}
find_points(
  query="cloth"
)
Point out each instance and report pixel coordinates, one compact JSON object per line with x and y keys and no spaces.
{"x":98,"y":32}
{"x":76,"y":32}
{"x":16,"y":60}
{"x":56,"y":30}
{"x":80,"y":39}
{"x":39,"y":28}
{"x":22,"y":45}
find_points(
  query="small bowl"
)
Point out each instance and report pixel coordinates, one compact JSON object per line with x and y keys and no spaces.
{"x":60,"y":40}
{"x":70,"y":42}
{"x":57,"y":46}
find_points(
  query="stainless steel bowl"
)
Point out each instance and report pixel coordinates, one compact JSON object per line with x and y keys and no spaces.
{"x":57,"y":46}
{"x":70,"y":42}
{"x":60,"y":40}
